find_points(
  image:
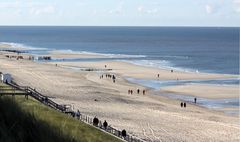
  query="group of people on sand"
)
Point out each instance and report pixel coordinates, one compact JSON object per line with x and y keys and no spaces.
{"x":12,"y":56}
{"x":138,"y":91}
{"x":113,"y":77}
{"x":183,"y":104}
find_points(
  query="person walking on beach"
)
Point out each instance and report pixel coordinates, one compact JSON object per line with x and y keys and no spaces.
{"x":144,"y":92}
{"x":195,"y":100}
{"x":181,"y":104}
{"x":158,"y":75}
{"x":113,"y":77}
{"x":131,"y":92}
{"x":138,"y":91}
{"x":184,"y":104}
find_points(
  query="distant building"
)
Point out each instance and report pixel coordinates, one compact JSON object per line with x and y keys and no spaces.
{"x":6,"y":78}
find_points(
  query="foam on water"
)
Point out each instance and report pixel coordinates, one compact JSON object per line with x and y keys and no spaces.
{"x":22,"y":46}
{"x":26,"y":47}
{"x":101,"y":54}
{"x":176,"y":57}
{"x":162,"y":64}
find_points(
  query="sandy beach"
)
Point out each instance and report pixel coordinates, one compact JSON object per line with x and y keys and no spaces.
{"x":151,"y":117}
{"x":206,"y":90}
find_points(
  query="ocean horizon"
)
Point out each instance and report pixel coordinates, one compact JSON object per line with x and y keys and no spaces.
{"x":193,"y":49}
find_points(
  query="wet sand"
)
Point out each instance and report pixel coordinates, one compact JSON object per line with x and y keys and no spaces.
{"x":209,"y":91}
{"x":62,"y":55}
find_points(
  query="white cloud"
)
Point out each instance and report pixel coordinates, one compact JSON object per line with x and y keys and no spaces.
{"x":43,"y":10}
{"x":33,"y":8}
{"x":7,"y":5}
{"x":118,"y":9}
{"x":236,"y":4}
{"x":152,"y":11}
{"x":236,"y":1}
{"x":140,"y":8}
{"x":94,"y":12}
{"x":143,"y":10}
{"x":208,"y":8}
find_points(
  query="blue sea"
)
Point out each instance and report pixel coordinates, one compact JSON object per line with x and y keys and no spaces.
{"x":197,"y":49}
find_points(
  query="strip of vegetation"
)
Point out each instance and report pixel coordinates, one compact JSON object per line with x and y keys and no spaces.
{"x":23,"y":120}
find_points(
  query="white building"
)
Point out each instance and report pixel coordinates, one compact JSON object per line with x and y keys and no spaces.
{"x":6,"y":78}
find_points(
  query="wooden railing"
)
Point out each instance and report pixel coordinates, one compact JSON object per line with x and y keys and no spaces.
{"x":84,"y":118}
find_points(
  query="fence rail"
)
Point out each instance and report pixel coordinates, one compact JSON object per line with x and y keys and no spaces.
{"x":82,"y":117}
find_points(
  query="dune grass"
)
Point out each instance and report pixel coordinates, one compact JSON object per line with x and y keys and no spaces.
{"x":23,"y":120}
{"x":4,"y":88}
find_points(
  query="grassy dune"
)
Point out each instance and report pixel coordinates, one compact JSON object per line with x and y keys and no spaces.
{"x":24,"y":120}
{"x":4,"y":88}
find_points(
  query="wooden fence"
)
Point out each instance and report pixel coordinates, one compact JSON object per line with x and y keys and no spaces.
{"x":84,"y":118}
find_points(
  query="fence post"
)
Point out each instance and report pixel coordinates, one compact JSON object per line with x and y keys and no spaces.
{"x":100,"y":124}
{"x":109,"y":129}
{"x":89,"y":120}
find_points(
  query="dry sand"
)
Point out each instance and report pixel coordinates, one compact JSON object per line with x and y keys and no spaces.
{"x":150,"y":117}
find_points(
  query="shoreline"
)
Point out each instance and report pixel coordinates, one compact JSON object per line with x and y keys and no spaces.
{"x":170,"y":88}
{"x":62,"y":55}
{"x":148,"y":116}
{"x":187,"y":76}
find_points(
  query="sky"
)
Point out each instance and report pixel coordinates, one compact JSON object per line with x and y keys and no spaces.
{"x":121,"y":12}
